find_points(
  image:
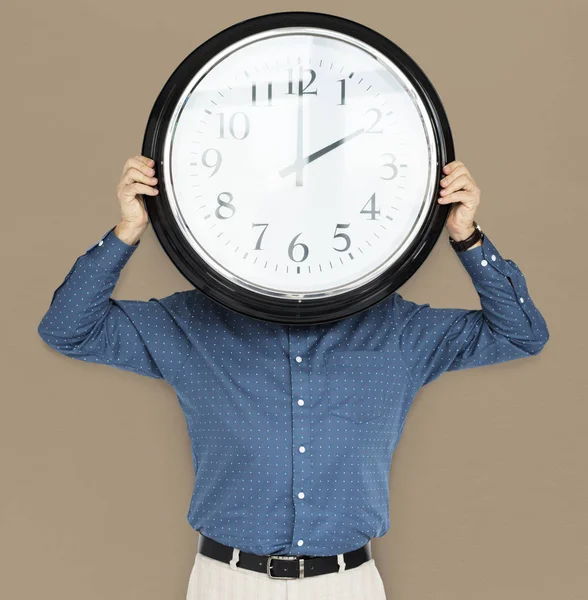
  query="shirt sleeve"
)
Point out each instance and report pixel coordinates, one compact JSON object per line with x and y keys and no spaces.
{"x":507,"y":327}
{"x":85,"y":323}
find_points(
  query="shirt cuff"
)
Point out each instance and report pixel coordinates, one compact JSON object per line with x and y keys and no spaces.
{"x":110,"y":252}
{"x":485,"y":262}
{"x":486,"y":266}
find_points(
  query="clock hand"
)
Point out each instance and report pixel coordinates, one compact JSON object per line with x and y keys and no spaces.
{"x":302,"y":162}
{"x":299,"y":139}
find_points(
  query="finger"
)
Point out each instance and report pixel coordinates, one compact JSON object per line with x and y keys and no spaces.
{"x":137,"y":163}
{"x":145,"y":160}
{"x":148,"y":161}
{"x":462,"y":196}
{"x":461,"y":170}
{"x":452,"y":165}
{"x":133,"y":174}
{"x":462,"y":182}
{"x":133,"y":189}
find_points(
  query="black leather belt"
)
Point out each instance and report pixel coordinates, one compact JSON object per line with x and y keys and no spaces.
{"x":282,"y":566}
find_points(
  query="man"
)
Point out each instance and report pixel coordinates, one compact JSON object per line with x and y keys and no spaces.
{"x":292,"y":427}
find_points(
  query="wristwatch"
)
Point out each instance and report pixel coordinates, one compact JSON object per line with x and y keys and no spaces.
{"x":462,"y":245}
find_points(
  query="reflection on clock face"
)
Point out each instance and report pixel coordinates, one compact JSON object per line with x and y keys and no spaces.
{"x":300,"y":163}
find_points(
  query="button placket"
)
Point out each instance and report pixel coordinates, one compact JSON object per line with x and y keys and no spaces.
{"x":301,"y":443}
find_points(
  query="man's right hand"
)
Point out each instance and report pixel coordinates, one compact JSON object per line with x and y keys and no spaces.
{"x":137,"y":179}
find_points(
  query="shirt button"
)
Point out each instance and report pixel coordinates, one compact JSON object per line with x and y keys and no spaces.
{"x":301,"y":495}
{"x":484,"y":263}
{"x":100,"y":243}
{"x":494,"y":257}
{"x":299,"y":359}
{"x":302,"y":449}
{"x":522,"y":299}
{"x":301,"y":402}
{"x":300,"y":542}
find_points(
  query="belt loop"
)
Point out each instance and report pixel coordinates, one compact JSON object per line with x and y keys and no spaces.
{"x":235,"y":559}
{"x":341,"y":562}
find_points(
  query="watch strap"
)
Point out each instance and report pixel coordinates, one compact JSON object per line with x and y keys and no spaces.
{"x":463,"y":245}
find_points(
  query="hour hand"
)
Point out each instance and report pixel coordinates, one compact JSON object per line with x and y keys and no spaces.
{"x":301,"y":162}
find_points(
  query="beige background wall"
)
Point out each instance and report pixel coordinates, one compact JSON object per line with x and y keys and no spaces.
{"x":488,"y":488}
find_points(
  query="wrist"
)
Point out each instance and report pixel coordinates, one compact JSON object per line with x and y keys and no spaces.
{"x":462,"y":234}
{"x":466,"y":240}
{"x":129,"y":233}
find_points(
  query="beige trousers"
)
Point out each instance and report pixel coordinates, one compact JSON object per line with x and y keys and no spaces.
{"x":212,"y":579}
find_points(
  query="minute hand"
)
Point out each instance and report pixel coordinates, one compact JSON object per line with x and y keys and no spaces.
{"x":311,"y":157}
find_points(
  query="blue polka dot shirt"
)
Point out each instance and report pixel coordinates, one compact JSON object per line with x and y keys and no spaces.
{"x":292,"y":427}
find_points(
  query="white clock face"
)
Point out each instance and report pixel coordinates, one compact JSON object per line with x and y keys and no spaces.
{"x":300,"y":163}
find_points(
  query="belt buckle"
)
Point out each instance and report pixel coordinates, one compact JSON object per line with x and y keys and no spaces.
{"x":278,"y":557}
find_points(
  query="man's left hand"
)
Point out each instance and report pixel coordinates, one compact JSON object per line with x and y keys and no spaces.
{"x":459,"y":187}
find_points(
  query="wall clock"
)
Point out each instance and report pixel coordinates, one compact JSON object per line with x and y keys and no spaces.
{"x":299,"y":157}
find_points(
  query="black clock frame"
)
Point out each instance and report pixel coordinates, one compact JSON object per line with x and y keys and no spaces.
{"x":244,"y":301}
